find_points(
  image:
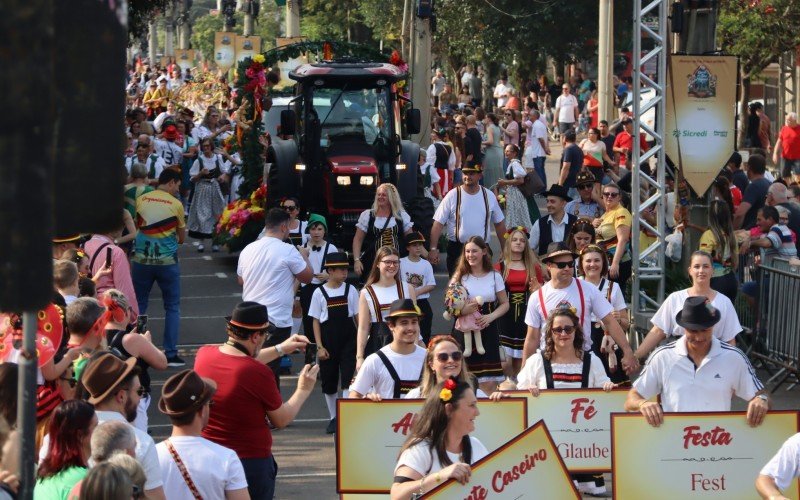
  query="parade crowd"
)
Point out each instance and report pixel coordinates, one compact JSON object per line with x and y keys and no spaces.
{"x":548,"y":310}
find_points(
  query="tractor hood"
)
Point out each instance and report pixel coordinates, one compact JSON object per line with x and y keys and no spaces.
{"x":353,"y":164}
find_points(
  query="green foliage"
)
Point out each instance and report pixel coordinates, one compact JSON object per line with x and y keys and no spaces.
{"x":339,"y":49}
{"x":758,"y":31}
{"x":267,"y":27}
{"x":337,"y":20}
{"x":203,"y":34}
{"x":140,"y":14}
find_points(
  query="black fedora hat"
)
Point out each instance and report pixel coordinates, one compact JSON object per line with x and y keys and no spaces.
{"x":558,"y":190}
{"x":250,"y":316}
{"x":558,"y":249}
{"x":185,"y":393}
{"x":697,"y":314}
{"x":404,"y":307}
{"x":336,"y":259}
{"x":414,"y":237}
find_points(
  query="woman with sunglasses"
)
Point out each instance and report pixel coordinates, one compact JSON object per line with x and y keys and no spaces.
{"x":207,"y":172}
{"x":563,"y":364}
{"x":614,"y":234}
{"x":439,"y":446}
{"x":383,"y":287}
{"x":298,"y":236}
{"x":137,"y":345}
{"x":522,"y":274}
{"x":593,"y":266}
{"x":443,"y":360}
{"x":475,"y":272}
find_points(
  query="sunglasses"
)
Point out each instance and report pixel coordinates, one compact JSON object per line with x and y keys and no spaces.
{"x":585,"y":186}
{"x":71,"y":381}
{"x":289,"y":208}
{"x":563,"y":330}
{"x":563,"y":265}
{"x":444,"y":356}
{"x":610,"y":195}
{"x":141,"y":391}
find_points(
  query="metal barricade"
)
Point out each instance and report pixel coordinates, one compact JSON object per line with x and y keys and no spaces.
{"x":746,"y":271}
{"x":777,"y":339}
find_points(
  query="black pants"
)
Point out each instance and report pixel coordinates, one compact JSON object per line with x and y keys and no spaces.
{"x":597,"y":338}
{"x":306,"y":292}
{"x":426,"y":322}
{"x":727,"y":285}
{"x":276,"y":338}
{"x":625,"y":271}
{"x":454,"y":250}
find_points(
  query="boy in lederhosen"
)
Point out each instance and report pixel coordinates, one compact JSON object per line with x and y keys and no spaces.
{"x":333,"y":310}
{"x":318,"y":248}
{"x":418,"y":273}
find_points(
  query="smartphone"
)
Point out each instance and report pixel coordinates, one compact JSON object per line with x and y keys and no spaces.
{"x":108,"y":257}
{"x":311,"y":354}
{"x":141,"y":323}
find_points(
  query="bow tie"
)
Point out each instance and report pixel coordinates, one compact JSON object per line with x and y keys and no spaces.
{"x":315,"y":249}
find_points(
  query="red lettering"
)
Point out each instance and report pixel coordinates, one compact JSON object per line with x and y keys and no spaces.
{"x":501,"y":479}
{"x":403,"y":424}
{"x":478,"y":493}
{"x":715,"y":437}
{"x":579,"y":406}
{"x":702,"y":483}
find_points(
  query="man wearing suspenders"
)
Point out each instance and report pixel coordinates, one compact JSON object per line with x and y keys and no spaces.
{"x":565,"y":291}
{"x":467,"y":212}
{"x":394,"y":369}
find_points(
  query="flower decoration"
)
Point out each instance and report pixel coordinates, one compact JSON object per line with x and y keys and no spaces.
{"x":446,"y":394}
{"x":450,"y":384}
{"x":259,"y":58}
{"x":522,"y":229}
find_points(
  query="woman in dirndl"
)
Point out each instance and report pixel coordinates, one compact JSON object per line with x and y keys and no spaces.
{"x":383,"y":287}
{"x":207,"y":172}
{"x":522,"y":274}
{"x":475,"y":273}
{"x":516,"y":204}
{"x":298,"y":236}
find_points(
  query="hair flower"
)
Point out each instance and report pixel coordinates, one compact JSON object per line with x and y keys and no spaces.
{"x":449,"y":384}
{"x":445,"y":395}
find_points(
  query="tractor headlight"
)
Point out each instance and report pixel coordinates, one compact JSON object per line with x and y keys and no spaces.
{"x":343,"y":180}
{"x":367,"y":180}
{"x":299,"y":166}
{"x":400,"y":166}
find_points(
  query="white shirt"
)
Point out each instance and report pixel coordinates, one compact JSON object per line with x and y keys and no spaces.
{"x":316,"y":258}
{"x":385,"y":295}
{"x":158,"y":166}
{"x":430,"y":155}
{"x":532,"y":374}
{"x":516,"y":169}
{"x":363,"y":221}
{"x":428,"y":166}
{"x":784,"y":467}
{"x":319,"y":306}
{"x":557,"y":229}
{"x":727,"y":328}
{"x":159,"y":121}
{"x":536,"y":130}
{"x":210,"y":164}
{"x":169,"y":151}
{"x":214,"y":469}
{"x":487,"y":286}
{"x":723,"y":372}
{"x":416,"y":393}
{"x":145,"y":449}
{"x":417,"y":274}
{"x":501,"y":92}
{"x":569,"y":297}
{"x":566,"y":105}
{"x":374,"y":377}
{"x":617,"y":299}
{"x":424,"y":460}
{"x":472,"y":214}
{"x":268,"y":267}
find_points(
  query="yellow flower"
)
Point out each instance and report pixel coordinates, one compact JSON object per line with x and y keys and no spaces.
{"x":445,"y":395}
{"x":259,"y":58}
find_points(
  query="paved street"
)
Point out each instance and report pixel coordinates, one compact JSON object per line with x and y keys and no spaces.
{"x":304,"y":452}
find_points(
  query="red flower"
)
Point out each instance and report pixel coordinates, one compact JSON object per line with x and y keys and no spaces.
{"x":449,"y":384}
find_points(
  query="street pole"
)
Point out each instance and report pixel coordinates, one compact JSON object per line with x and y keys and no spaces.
{"x":26,"y":412}
{"x":152,"y":43}
{"x":169,"y":29}
{"x":247,"y":29}
{"x":403,"y":28}
{"x":605,"y":61}
{"x":292,"y":18}
{"x":185,"y":33}
{"x":421,"y":76}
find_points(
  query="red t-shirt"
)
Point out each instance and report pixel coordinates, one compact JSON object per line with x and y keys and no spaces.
{"x":625,"y":140}
{"x":246,"y":391}
{"x":790,"y":142}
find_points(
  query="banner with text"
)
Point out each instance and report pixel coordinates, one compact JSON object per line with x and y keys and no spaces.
{"x":695,"y":455}
{"x":528,"y":466}
{"x":224,"y":49}
{"x":247,"y":46}
{"x":700,"y":115}
{"x":369,"y":437}
{"x":580,"y":422}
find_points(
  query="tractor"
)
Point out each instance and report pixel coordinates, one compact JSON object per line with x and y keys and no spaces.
{"x":340,"y":137}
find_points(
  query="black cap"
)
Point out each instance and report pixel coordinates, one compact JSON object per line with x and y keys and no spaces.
{"x":698,"y":314}
{"x":250,"y":316}
{"x":404,"y":307}
{"x":558,"y":190}
{"x":336,"y":259}
{"x":413,"y":237}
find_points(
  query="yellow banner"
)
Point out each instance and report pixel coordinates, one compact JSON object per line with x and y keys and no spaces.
{"x":700,"y":115}
{"x":580,"y":423}
{"x":224,"y":49}
{"x":695,"y":455}
{"x":528,"y":466}
{"x":369,"y":437}
{"x":247,"y":46}
{"x":185,"y":58}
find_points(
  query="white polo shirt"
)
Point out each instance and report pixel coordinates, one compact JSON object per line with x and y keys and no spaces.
{"x":374,"y":377}
{"x":726,"y":329}
{"x":472,"y":214}
{"x":683,"y":387}
{"x":784,"y":467}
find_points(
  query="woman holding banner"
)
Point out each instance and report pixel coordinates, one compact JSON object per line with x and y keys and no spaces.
{"x":443,"y":360}
{"x":565,"y":365}
{"x":439,"y":446}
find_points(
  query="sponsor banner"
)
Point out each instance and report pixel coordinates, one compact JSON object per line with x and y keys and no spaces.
{"x":224,"y":49}
{"x":580,"y":422}
{"x":696,"y":455}
{"x":185,"y":58}
{"x":700,"y":117}
{"x":370,"y":434}
{"x":528,"y":466}
{"x":247,"y":46}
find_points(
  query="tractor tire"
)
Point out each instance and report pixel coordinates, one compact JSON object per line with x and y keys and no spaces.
{"x":420,"y":209}
{"x":407,"y":184}
{"x":283,"y":180}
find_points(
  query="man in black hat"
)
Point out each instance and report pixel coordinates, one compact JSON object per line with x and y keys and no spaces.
{"x":247,"y":395}
{"x":394,"y":369}
{"x":585,"y":300}
{"x":211,"y":470}
{"x":469,"y":198}
{"x":697,"y":373}
{"x":554,"y":227}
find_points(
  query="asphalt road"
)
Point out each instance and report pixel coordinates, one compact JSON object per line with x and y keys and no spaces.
{"x":305,"y":454}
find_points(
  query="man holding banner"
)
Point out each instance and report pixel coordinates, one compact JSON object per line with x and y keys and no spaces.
{"x":697,"y":373}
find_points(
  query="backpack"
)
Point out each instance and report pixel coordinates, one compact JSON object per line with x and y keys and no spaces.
{"x":442,"y":155}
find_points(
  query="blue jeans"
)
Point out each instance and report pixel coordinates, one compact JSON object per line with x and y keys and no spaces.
{"x":538,"y":166}
{"x":169,"y":281}
{"x":260,"y":474}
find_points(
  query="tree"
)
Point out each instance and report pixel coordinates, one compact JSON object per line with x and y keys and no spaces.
{"x":267,"y":27}
{"x":140,"y":14}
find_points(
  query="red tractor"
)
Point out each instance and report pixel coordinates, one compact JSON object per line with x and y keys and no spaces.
{"x":340,"y":138}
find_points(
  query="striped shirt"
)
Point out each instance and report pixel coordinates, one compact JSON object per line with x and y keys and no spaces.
{"x":780,"y":236}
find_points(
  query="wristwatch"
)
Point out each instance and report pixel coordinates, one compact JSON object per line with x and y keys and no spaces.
{"x":278,"y":349}
{"x":763,"y":397}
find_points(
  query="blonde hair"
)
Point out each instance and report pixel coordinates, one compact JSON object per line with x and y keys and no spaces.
{"x":529,"y":259}
{"x":428,"y":380}
{"x":394,"y":200}
{"x":131,"y":466}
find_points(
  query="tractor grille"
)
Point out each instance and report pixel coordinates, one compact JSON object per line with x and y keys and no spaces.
{"x":353,"y":196}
